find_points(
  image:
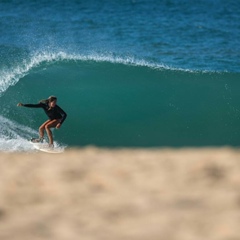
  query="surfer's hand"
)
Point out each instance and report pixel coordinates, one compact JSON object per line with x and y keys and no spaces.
{"x":58,"y":125}
{"x":19,"y":104}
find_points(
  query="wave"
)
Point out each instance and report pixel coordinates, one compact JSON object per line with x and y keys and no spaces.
{"x":113,"y":101}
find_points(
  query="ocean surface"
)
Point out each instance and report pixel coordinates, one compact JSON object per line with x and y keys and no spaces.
{"x":129,"y":73}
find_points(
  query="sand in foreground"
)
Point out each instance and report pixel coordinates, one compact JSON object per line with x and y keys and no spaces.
{"x":121,"y":194}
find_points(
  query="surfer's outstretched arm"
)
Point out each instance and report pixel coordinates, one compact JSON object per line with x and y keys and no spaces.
{"x":38,"y":105}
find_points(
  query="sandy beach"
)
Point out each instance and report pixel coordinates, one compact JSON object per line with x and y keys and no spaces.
{"x":133,"y":194}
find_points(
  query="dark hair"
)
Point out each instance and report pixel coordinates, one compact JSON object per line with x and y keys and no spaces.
{"x":50,"y":99}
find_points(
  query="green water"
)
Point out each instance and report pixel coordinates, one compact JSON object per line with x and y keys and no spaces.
{"x":115,"y":104}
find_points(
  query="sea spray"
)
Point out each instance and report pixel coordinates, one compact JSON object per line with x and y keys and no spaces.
{"x":10,"y":76}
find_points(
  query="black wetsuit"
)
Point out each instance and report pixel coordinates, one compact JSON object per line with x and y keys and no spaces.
{"x":52,"y":113}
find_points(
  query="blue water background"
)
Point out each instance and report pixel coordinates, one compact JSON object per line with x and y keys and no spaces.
{"x":184,"y":34}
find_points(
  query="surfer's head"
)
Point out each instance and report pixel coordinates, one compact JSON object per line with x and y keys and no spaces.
{"x":52,"y":99}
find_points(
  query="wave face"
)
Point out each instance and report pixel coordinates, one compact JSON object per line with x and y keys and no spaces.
{"x":118,"y":102}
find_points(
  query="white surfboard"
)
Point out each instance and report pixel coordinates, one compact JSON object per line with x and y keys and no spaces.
{"x":45,"y":148}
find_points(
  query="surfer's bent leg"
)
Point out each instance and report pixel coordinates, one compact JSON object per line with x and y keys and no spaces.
{"x":48,"y":126}
{"x":42,"y":128}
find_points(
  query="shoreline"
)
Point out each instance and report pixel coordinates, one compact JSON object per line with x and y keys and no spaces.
{"x":98,"y":193}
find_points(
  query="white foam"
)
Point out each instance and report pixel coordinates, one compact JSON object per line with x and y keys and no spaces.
{"x":100,"y":57}
{"x":14,"y":136}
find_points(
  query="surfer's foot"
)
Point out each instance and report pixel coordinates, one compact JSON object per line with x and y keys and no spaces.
{"x":37,"y":140}
{"x":51,"y":146}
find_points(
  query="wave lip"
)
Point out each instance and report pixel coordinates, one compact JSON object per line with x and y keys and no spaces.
{"x":10,"y":77}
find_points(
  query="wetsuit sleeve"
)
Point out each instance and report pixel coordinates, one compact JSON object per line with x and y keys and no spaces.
{"x":38,"y":105}
{"x":64,"y":115}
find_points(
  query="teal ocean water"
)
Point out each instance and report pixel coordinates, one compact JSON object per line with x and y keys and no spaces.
{"x":128,"y":73}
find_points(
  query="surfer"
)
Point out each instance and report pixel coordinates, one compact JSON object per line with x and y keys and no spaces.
{"x":55,"y":114}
